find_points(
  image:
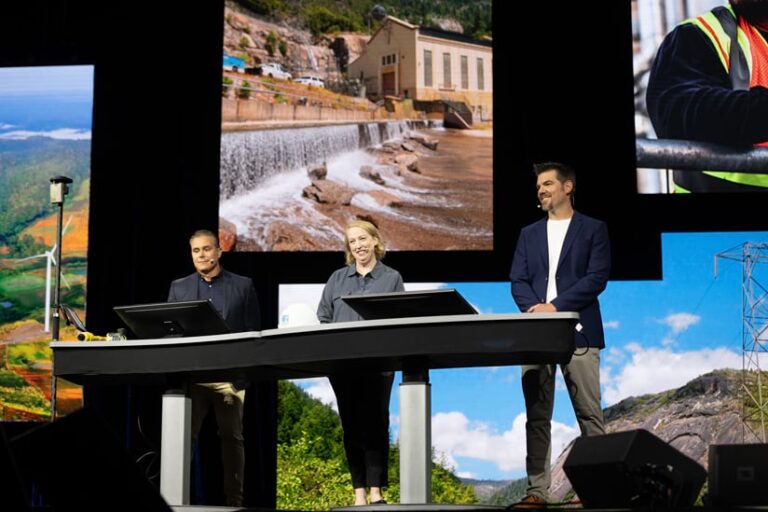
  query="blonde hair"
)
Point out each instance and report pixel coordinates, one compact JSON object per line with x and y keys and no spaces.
{"x":369,"y":228}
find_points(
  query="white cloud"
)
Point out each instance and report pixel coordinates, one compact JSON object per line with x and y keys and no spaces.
{"x":454,"y":435}
{"x":612,"y":355}
{"x":679,"y":322}
{"x":668,"y":342}
{"x":611,"y":324}
{"x":320,"y":389}
{"x":6,"y":126}
{"x":62,"y":133}
{"x":651,"y":370}
{"x":465,"y":474}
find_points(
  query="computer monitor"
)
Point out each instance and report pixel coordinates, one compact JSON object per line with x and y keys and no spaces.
{"x":172,"y":319}
{"x":375,"y":306}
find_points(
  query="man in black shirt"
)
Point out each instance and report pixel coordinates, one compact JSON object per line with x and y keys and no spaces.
{"x":234,"y":297}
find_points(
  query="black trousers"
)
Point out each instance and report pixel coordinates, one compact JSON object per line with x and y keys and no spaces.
{"x":364,"y":410}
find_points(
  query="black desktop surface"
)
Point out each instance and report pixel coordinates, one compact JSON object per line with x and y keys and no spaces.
{"x":172,"y":319}
{"x":378,"y":306}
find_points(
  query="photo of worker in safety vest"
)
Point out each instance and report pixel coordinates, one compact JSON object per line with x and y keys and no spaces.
{"x":707,"y":100}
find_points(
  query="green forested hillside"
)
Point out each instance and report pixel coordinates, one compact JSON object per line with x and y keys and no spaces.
{"x":25,"y":169}
{"x":312,"y":472}
{"x":324,"y":16}
{"x":512,"y":493}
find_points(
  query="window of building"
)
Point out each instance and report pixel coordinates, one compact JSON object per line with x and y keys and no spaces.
{"x":447,"y":70}
{"x":480,"y":74}
{"x":464,"y":72}
{"x":427,"y":68}
{"x":384,"y":60}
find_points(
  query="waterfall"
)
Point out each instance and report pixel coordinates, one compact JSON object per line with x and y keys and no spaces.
{"x":311,"y":57}
{"x":249,"y":158}
{"x":264,"y":173}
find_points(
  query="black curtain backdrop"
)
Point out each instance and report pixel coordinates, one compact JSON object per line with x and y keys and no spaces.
{"x":563,"y":91}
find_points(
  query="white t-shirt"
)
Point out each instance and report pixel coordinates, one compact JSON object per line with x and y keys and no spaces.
{"x":556,"y":230}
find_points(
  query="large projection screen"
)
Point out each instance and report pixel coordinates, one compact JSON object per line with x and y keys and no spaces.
{"x":389,"y":121}
{"x":45,"y":131}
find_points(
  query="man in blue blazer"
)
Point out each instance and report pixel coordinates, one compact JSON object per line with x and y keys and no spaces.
{"x":561,"y":263}
{"x":234,"y":297}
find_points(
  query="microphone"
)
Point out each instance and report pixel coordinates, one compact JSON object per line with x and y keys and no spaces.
{"x":89,"y":336}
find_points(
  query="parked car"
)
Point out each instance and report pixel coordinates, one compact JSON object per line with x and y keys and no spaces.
{"x":235,"y":64}
{"x":310,"y":80}
{"x":275,"y":70}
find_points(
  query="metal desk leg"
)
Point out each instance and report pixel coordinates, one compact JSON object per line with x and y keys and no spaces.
{"x":415,"y":437}
{"x":175,"y":449}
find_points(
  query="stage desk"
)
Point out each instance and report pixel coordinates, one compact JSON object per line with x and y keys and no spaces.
{"x":412,"y":345}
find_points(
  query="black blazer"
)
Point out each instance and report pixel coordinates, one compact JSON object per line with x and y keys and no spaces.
{"x":241,"y":306}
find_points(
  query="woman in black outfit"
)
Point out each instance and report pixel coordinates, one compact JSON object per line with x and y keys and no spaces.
{"x":363,"y":398}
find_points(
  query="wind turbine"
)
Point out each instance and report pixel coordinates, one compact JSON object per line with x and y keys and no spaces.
{"x":51,"y":260}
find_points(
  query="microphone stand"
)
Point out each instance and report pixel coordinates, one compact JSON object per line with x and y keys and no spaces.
{"x":59,"y":190}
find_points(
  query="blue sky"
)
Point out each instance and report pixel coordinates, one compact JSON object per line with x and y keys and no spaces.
{"x":51,"y":101}
{"x":659,"y":335}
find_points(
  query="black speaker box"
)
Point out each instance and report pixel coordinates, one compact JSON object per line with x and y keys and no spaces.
{"x":78,"y":464}
{"x":632,"y":469}
{"x":738,"y":474}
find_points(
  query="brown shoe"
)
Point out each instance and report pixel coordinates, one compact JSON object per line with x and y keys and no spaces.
{"x":530,"y":502}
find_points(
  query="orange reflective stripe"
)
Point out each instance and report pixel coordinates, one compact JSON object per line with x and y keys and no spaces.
{"x":755,"y":51}
{"x":714,"y":37}
{"x":759,"y":57}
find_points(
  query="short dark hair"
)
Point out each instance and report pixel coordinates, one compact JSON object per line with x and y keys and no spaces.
{"x":205,"y":232}
{"x":564,"y":173}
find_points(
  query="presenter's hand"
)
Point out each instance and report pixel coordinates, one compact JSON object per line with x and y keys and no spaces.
{"x":542,"y":308}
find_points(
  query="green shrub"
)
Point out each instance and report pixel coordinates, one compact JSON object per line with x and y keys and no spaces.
{"x":226,"y":85}
{"x":271,"y":43}
{"x":308,"y":482}
{"x":9,"y":379}
{"x":244,"y":92}
{"x":321,"y":20}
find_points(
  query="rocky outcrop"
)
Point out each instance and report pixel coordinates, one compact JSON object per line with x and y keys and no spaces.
{"x":246,"y":34}
{"x":407,"y":161}
{"x":705,"y":411}
{"x":424,"y":140}
{"x":329,"y":192}
{"x":317,"y":172}
{"x":449,"y":24}
{"x":286,"y":236}
{"x":227,"y":234}
{"x":369,"y":173}
{"x":385,"y":198}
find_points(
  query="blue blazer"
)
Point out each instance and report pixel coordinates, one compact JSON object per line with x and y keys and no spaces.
{"x":582,"y":273}
{"x":241,"y":306}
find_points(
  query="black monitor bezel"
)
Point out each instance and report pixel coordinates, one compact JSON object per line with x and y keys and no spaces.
{"x":377,"y":306}
{"x":172,"y":319}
